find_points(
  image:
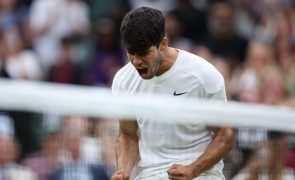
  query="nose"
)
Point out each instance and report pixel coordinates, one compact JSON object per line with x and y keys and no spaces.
{"x":136,"y":61}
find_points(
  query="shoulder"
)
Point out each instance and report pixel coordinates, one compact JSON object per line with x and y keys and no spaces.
{"x":124,"y":72}
{"x":122,"y":77}
{"x":32,"y":159}
{"x":204,"y":71}
{"x":21,"y":172}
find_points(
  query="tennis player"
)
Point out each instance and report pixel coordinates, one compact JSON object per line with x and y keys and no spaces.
{"x":167,"y":150}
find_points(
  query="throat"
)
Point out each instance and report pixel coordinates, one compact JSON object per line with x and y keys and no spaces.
{"x":168,"y":61}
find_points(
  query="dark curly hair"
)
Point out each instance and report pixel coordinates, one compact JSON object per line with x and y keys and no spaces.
{"x":142,"y":28}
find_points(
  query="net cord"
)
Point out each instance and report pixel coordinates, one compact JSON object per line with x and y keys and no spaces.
{"x":62,"y":99}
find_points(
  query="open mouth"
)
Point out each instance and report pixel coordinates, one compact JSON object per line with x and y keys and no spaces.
{"x":142,"y":71}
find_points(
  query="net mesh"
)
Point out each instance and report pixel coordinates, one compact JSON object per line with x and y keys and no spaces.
{"x":51,"y":126}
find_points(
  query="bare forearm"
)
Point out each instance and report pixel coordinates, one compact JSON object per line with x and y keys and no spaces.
{"x":222,"y":143}
{"x":127,"y":151}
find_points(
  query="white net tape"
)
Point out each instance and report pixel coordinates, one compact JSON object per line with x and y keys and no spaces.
{"x":99,"y":102}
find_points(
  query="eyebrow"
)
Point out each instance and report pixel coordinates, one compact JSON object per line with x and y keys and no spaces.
{"x":143,"y":53}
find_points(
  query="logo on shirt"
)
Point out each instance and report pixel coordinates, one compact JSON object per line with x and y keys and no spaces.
{"x":178,"y":94}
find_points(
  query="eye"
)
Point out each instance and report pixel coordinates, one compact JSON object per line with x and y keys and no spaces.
{"x":144,"y":54}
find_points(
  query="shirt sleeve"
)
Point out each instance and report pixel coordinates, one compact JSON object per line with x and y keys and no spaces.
{"x":219,"y":95}
{"x":117,"y":85}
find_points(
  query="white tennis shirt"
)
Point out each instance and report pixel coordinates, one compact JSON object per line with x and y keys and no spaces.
{"x":162,"y":144}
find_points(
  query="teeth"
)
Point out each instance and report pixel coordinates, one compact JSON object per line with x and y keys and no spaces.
{"x":140,"y":67}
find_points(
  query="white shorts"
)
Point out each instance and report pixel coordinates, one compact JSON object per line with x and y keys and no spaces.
{"x":209,"y":175}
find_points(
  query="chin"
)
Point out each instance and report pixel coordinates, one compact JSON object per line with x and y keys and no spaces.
{"x":146,"y":76}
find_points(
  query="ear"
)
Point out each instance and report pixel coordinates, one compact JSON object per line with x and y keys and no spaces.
{"x":164,"y":43}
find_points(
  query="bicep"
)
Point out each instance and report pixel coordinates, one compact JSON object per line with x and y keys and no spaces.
{"x":219,"y":97}
{"x":129,"y":127}
{"x":222,"y":132}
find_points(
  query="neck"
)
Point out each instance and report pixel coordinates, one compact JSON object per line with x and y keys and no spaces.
{"x":169,"y":56}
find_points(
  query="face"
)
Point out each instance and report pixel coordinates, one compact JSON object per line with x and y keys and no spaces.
{"x":51,"y":143}
{"x":148,"y":64}
{"x":221,"y":19}
{"x":7,"y":150}
{"x":73,"y":145}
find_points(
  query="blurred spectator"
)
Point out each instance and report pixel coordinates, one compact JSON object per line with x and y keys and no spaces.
{"x":247,"y":81}
{"x":221,"y":38}
{"x":75,"y":168}
{"x":78,"y":126}
{"x":224,"y":68}
{"x":268,"y":13}
{"x":92,"y":150}
{"x":265,"y":31}
{"x":48,"y":159}
{"x":26,"y":32}
{"x":245,"y":19}
{"x":107,"y":131}
{"x":246,"y":87}
{"x":193,"y":21}
{"x":65,"y":70}
{"x":274,"y":91}
{"x":114,"y":9}
{"x":12,"y":16}
{"x":284,"y":41}
{"x":3,"y":56}
{"x":201,"y":4}
{"x":203,"y":52}
{"x":21,"y":63}
{"x":11,"y":13}
{"x":174,"y":34}
{"x":267,"y":162}
{"x":6,"y":126}
{"x":290,"y":73}
{"x":27,"y":127}
{"x":290,"y":155}
{"x":9,"y":169}
{"x":108,"y":56}
{"x":51,"y":20}
{"x":164,"y":6}
{"x":56,"y":34}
